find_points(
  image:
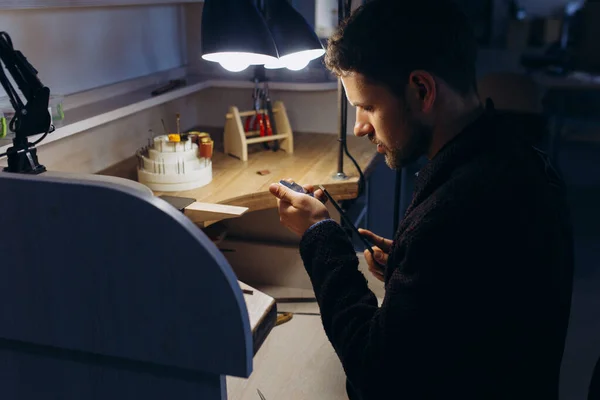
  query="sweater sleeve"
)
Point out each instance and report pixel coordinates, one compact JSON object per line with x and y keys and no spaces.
{"x":380,"y":348}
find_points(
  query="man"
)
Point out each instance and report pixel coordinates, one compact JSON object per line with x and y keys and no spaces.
{"x":478,"y":277}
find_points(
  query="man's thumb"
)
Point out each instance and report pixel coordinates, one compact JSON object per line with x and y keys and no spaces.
{"x":281,"y":192}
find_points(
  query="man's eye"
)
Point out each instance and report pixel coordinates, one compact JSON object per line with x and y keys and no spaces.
{"x":368,"y":108}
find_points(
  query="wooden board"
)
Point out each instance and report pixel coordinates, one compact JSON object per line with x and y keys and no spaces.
{"x":258,"y":304}
{"x":238,"y":183}
{"x":262,"y":312}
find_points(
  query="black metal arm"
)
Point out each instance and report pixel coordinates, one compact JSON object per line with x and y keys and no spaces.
{"x":32,"y":117}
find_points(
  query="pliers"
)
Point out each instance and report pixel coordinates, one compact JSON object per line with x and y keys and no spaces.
{"x":259,"y":121}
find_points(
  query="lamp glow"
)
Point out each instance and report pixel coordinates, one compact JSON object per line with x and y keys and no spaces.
{"x":296,"y":61}
{"x":234,"y":66}
{"x":238,"y":61}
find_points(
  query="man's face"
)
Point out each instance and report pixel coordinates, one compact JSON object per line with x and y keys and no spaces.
{"x":388,"y":121}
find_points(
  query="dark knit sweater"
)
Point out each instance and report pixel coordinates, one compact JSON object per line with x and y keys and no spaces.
{"x":478,"y":284}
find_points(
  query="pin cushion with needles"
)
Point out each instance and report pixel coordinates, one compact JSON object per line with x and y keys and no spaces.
{"x":176,"y":161}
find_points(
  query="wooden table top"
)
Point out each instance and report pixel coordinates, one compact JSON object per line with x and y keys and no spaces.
{"x":314,"y":161}
{"x":238,"y":183}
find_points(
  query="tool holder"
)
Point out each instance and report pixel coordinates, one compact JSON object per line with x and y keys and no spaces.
{"x":236,"y":139}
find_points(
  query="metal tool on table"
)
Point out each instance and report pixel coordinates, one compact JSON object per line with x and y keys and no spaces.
{"x":283,"y":318}
{"x":255,"y":122}
{"x":347,"y":221}
{"x":259,"y":121}
{"x":262,"y":397}
{"x":283,"y":300}
{"x":173,"y":84}
{"x":179,"y":136}
{"x":173,"y":137}
{"x":183,"y":135}
{"x":265,"y":119}
{"x":270,"y":115}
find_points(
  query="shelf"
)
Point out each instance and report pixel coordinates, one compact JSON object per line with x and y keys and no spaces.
{"x":33,"y":4}
{"x":102,"y":112}
{"x":267,"y":138}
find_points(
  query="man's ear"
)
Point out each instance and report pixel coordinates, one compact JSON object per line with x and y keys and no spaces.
{"x":423,"y":84}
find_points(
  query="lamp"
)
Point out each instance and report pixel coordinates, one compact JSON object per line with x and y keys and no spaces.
{"x":297,"y":43}
{"x":235,"y":35}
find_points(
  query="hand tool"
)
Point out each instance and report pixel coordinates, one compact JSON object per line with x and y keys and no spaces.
{"x":300,"y":313}
{"x":283,"y":318}
{"x":262,"y":120}
{"x":262,"y":397}
{"x":295,"y":187}
{"x":283,"y":300}
{"x":182,"y":136}
{"x":271,"y":117}
{"x":268,"y":131}
{"x":173,"y":84}
{"x":348,"y":222}
{"x":256,"y":123}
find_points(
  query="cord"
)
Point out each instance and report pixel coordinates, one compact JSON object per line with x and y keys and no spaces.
{"x":50,"y":129}
{"x":345,"y":10}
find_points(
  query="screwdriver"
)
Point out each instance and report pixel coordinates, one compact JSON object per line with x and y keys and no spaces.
{"x":347,"y":221}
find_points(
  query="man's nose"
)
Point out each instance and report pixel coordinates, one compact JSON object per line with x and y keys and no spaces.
{"x":362,"y":128}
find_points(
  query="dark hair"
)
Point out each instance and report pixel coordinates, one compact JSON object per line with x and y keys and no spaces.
{"x":385,"y":40}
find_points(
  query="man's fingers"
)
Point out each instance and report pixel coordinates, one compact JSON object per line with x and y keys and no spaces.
{"x":375,"y":268}
{"x":380,"y":260}
{"x":309,"y":188}
{"x":320,"y":195}
{"x":378,"y":275}
{"x":383,"y":243}
{"x":381,"y":257}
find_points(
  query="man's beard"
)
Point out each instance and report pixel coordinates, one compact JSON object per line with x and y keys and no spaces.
{"x":419,"y":141}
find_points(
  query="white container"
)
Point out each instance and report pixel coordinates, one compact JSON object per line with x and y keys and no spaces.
{"x":166,"y":166}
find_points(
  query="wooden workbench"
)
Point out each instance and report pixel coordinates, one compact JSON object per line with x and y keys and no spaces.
{"x":316,"y":372}
{"x":238,"y":183}
{"x":262,"y":313}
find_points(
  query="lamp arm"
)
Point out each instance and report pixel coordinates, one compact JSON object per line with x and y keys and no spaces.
{"x":30,"y":118}
{"x":344,"y":8}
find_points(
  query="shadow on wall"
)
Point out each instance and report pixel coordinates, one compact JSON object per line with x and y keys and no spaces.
{"x":85,"y":48}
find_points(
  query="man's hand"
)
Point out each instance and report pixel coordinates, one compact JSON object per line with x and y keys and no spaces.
{"x":381,"y":249}
{"x":298,"y":211}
